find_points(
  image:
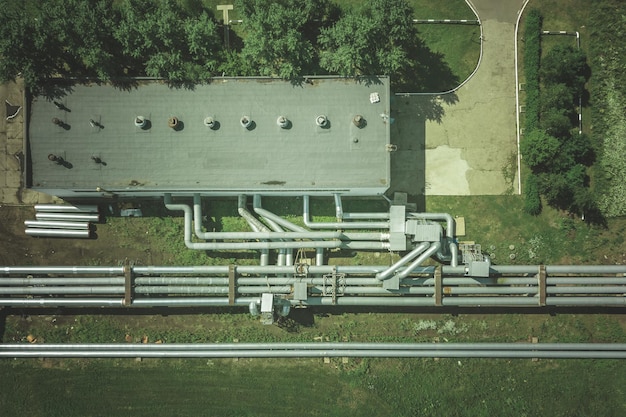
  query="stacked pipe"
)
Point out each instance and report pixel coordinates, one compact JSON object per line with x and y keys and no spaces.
{"x":326,"y":285}
{"x":56,"y":220}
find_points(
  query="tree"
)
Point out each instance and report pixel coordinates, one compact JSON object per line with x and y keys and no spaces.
{"x":162,"y":40}
{"x":566,"y":65}
{"x":275,"y":43}
{"x":538,"y":150}
{"x":379,"y":38}
{"x":557,"y":96}
{"x":57,"y":38}
{"x":556,"y":123}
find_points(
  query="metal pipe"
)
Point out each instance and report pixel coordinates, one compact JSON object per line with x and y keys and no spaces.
{"x":369,"y":301}
{"x":73,"y":233}
{"x":111,"y":270}
{"x":172,"y":289}
{"x":490,"y":290}
{"x":197,"y":352}
{"x":62,"y":302}
{"x":264,"y":235}
{"x":235,"y":245}
{"x":337,"y":225}
{"x":420,"y":259}
{"x":330,"y":346}
{"x":181,"y":281}
{"x":80,"y":208}
{"x":490,"y":301}
{"x":341,"y":215}
{"x":79,"y":217}
{"x":586,"y":301}
{"x":585,"y":280}
{"x":55,"y":225}
{"x":586,"y":289}
{"x":403,"y":261}
{"x":63,"y":290}
{"x":63,"y":281}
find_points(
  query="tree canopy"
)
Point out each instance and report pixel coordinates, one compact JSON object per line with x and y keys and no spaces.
{"x":379,"y":38}
{"x":275,"y":43}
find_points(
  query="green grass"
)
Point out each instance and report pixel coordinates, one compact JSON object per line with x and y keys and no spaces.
{"x":408,"y":387}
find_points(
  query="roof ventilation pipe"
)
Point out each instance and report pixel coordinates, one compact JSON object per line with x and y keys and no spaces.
{"x":246,"y":122}
{"x":210,"y":122}
{"x":337,"y":225}
{"x":322,"y":121}
{"x":387,"y":273}
{"x":140,"y":122}
{"x":173,"y":122}
{"x":283,"y":122}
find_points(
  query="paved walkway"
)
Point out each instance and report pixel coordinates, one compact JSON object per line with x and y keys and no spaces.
{"x":474,"y":149}
{"x":12,"y":150}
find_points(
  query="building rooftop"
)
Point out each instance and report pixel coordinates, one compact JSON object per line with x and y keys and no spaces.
{"x":100,"y":148}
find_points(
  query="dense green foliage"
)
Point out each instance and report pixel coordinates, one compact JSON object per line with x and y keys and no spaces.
{"x":378,"y":38}
{"x":609,"y":119}
{"x":556,"y":155}
{"x":532,"y":57}
{"x":52,"y":43}
{"x":277,"y":39}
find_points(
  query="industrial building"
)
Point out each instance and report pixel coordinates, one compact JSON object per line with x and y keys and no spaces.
{"x":250,"y":139}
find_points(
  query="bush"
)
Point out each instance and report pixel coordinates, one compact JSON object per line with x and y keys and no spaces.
{"x":532,"y":59}
{"x":539,"y":150}
{"x":532,"y":200}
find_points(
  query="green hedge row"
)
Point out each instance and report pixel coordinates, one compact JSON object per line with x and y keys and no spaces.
{"x":532,"y":62}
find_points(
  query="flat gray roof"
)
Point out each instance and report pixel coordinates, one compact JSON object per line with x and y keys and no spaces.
{"x":265,"y":158}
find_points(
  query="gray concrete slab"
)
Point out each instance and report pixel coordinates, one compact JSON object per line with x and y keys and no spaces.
{"x":476,"y":136}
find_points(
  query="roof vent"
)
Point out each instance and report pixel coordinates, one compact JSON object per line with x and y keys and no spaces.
{"x":210,"y":122}
{"x":173,"y":122}
{"x":321,"y":121}
{"x":246,"y":121}
{"x":140,"y":121}
{"x":359,"y":121}
{"x":283,"y":122}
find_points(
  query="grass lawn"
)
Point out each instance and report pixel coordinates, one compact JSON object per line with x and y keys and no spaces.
{"x":408,"y":387}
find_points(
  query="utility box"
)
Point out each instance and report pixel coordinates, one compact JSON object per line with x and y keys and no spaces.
{"x":397,"y":237}
{"x":478,"y":269}
{"x":300,"y":291}
{"x":267,"y":308}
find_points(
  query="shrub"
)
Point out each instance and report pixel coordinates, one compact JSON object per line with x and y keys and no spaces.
{"x":539,"y":149}
{"x":532,"y":200}
{"x":532,"y":59}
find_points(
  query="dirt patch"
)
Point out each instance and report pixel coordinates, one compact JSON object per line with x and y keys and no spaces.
{"x":16,"y":248}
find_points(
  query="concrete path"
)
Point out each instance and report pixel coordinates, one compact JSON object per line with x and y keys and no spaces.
{"x":473,"y":150}
{"x":12,"y":150}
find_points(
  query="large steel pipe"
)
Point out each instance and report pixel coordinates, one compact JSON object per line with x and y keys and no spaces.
{"x":71,"y":233}
{"x":79,"y":217}
{"x":80,"y":208}
{"x":51,"y":224}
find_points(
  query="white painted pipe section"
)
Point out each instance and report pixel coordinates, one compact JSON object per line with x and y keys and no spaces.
{"x":337,"y":225}
{"x":70,"y":233}
{"x":430,"y":350}
{"x":50,"y":224}
{"x":60,"y":208}
{"x":420,"y":260}
{"x":403,"y":261}
{"x":78,"y":217}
